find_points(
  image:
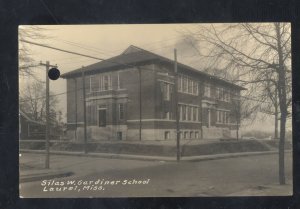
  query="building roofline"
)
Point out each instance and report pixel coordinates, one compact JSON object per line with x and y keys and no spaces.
{"x":156,"y":57}
{"x":29,"y":119}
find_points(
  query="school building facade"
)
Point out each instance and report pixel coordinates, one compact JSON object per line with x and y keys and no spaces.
{"x":131,"y":97}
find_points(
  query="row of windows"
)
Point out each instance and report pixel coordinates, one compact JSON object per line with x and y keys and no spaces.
{"x":100,"y":83}
{"x":103,"y":83}
{"x":187,"y":85}
{"x":222,"y":116}
{"x":184,"y":135}
{"x":222,"y":94}
{"x":188,"y":112}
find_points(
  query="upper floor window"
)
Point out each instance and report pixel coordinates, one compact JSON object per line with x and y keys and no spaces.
{"x":120,"y":83}
{"x":207,"y":90}
{"x":187,"y":85}
{"x":222,"y":94}
{"x":166,"y":92}
{"x":94,"y":84}
{"x":100,"y":83}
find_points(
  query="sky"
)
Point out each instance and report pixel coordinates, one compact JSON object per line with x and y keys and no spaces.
{"x":105,"y":41}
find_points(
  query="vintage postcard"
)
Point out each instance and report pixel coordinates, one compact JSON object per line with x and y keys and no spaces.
{"x":155,"y":110}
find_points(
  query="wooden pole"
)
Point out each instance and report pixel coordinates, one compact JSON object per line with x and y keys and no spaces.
{"x":176,"y":106}
{"x":75,"y":81}
{"x":140,"y":105}
{"x":47,"y":162}
{"x":47,"y":137}
{"x":84,"y":112}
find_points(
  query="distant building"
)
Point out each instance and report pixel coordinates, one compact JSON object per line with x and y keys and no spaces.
{"x":132,"y":95}
{"x":29,"y":128}
{"x":36,"y":130}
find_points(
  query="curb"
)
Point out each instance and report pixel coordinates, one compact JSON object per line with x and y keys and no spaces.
{"x":227,"y":155}
{"x":103,"y":155}
{"x":44,"y":176}
{"x":155,"y":158}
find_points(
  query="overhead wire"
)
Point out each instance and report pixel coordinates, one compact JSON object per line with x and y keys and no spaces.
{"x":79,"y":54}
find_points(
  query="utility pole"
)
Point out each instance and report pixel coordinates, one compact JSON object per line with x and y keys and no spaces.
{"x":75,"y":82}
{"x":176,"y":105}
{"x":84,"y":111}
{"x":47,"y":160}
{"x":140,"y":105}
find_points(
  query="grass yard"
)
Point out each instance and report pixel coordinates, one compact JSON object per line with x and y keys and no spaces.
{"x":160,"y":148}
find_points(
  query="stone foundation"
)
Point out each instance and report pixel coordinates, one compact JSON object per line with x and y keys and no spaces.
{"x":212,"y":133}
{"x":96,"y":133}
{"x":110,"y":132}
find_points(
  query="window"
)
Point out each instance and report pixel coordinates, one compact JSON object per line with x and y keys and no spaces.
{"x":222,"y":94}
{"x":100,"y":83}
{"x":121,"y":111}
{"x":195,"y":113}
{"x":222,"y":117}
{"x":94,"y":85}
{"x":180,"y":135}
{"x":120,"y":84}
{"x":207,"y":90}
{"x":187,"y":85}
{"x":102,"y":117}
{"x":186,"y":133}
{"x":179,"y":83}
{"x":195,"y":88}
{"x":226,"y":117}
{"x":196,"y":135}
{"x":189,"y":113}
{"x":226,"y":96}
{"x":219,"y":93}
{"x":191,"y":134}
{"x":183,"y":112}
{"x":119,"y":135}
{"x":190,"y":89}
{"x":166,"y":91}
{"x":184,"y":84}
{"x":167,"y":115}
{"x":167,"y":134}
{"x":106,"y":82}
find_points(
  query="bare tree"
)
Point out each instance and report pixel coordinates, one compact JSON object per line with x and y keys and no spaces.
{"x":26,"y":62}
{"x":33,"y":102}
{"x":256,"y":51}
{"x":242,"y":109}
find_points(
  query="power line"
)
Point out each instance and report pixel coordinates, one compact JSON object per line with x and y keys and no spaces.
{"x":79,"y":54}
{"x":82,"y":46}
{"x":62,"y":50}
{"x":83,"y":55}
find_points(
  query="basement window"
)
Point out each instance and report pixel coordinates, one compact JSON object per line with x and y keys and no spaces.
{"x":167,"y":135}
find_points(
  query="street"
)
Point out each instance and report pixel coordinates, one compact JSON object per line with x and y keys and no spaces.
{"x":98,"y":177}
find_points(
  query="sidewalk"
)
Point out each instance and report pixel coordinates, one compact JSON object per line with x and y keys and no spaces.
{"x":266,"y":190}
{"x":33,"y":169}
{"x":153,"y":158}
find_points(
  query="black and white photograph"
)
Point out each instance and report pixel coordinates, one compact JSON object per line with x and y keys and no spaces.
{"x":155,"y":110}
